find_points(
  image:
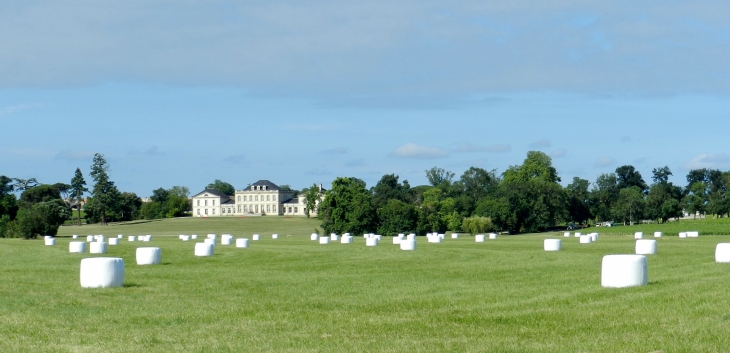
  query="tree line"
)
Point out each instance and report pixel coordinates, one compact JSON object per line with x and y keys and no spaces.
{"x":524,"y":198}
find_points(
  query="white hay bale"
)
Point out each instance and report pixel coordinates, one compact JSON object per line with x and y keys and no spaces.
{"x":594,"y":236}
{"x":89,"y":238}
{"x":180,"y":236}
{"x":411,"y":236}
{"x":210,"y":241}
{"x":211,"y":236}
{"x":397,"y":240}
{"x":131,"y":238}
{"x":275,"y":236}
{"x":552,"y":244}
{"x":97,"y":247}
{"x":492,"y":236}
{"x":314,"y":237}
{"x":682,"y":234}
{"x":722,"y":253}
{"x":585,"y":239}
{"x":113,"y":241}
{"x":324,"y":240}
{"x":100,"y":238}
{"x":148,"y":238}
{"x":646,"y":247}
{"x":334,"y":237}
{"x":432,"y":239}
{"x":619,"y":271}
{"x":256,"y":237}
{"x":149,"y":256}
{"x":47,"y":237}
{"x":371,"y":242}
{"x":226,"y":240}
{"x":102,"y":272}
{"x":242,"y":243}
{"x":204,"y":249}
{"x":186,"y":238}
{"x":693,"y":234}
{"x":479,"y":238}
{"x":50,"y":241}
{"x":566,"y":234}
{"x":455,"y":236}
{"x":577,"y":235}
{"x":638,"y":235}
{"x":194,"y":236}
{"x":442,"y":236}
{"x":120,"y":236}
{"x":77,"y":246}
{"x":380,"y":237}
{"x":75,"y":236}
{"x":657,"y":234}
{"x":346,"y":239}
{"x":410,"y":244}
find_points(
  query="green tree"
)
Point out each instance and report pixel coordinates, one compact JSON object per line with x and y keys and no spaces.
{"x":478,"y":183}
{"x":439,"y":177}
{"x":603,"y":196}
{"x":78,"y":188}
{"x":42,"y":218}
{"x":538,"y":166}
{"x":8,"y":202}
{"x":40,"y":193}
{"x":627,"y":176}
{"x":629,"y":205}
{"x":696,"y":198}
{"x":180,"y":191}
{"x":347,"y":207}
{"x":104,"y":191}
{"x":663,"y":199}
{"x":578,"y":200}
{"x":397,"y":217}
{"x":476,"y":225}
{"x":388,"y":188}
{"x":223,"y":187}
{"x":312,"y":197}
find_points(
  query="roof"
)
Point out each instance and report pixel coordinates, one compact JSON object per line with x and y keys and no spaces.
{"x":212,"y":192}
{"x":269,"y":186}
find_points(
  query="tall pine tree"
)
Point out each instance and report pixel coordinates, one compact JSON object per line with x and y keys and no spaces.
{"x":78,"y":188}
{"x":104,"y":189}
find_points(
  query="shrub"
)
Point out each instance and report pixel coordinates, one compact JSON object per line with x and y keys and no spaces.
{"x":476,"y":225}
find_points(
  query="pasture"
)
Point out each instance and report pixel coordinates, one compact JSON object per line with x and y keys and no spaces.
{"x":294,"y":295}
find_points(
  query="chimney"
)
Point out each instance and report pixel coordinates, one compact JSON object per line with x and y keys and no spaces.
{"x":320,"y":187}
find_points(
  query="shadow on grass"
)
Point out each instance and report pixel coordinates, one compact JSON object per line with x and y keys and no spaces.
{"x":131,"y":285}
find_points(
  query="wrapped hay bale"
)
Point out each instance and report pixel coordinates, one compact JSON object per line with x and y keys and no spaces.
{"x":455,"y":236}
{"x":186,"y":238}
{"x":619,"y":271}
{"x":682,"y":234}
{"x":324,"y":240}
{"x":77,"y":246}
{"x":492,"y":236}
{"x":346,"y":239}
{"x":657,"y":234}
{"x":256,"y":237}
{"x":693,"y":234}
{"x":120,"y":236}
{"x":334,"y":237}
{"x":576,"y":235}
{"x":638,"y":235}
{"x":594,"y":236}
{"x":75,"y":236}
{"x":204,"y":249}
{"x":646,"y":247}
{"x":552,"y":244}
{"x":242,"y":243}
{"x":411,"y":236}
{"x":397,"y":240}
{"x":435,"y":238}
{"x":566,"y":234}
{"x":585,"y":239}
{"x":131,"y":238}
{"x":479,"y":238}
{"x":50,"y":241}
{"x":226,"y":240}
{"x":194,"y":236}
{"x":211,"y":236}
{"x":89,"y":238}
{"x":97,"y":247}
{"x":314,"y":237}
{"x":410,"y":244}
{"x":113,"y":241}
{"x":371,"y":242}
{"x":275,"y":236}
{"x":210,"y":241}
{"x":149,"y":256}
{"x":102,"y":272}
{"x":722,"y":253}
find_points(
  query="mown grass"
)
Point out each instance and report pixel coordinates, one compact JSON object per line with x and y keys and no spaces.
{"x":292,"y":294}
{"x":706,"y":226}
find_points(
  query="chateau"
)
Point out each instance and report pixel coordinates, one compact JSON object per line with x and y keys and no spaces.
{"x":260,"y":198}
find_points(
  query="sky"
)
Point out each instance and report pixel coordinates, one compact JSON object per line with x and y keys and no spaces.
{"x":300,"y":93}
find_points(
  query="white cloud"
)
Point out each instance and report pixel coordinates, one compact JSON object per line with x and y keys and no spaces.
{"x":604,"y":161}
{"x":468,"y":147}
{"x":544,"y":143}
{"x":714,"y":161}
{"x":412,"y":150}
{"x":558,"y":153}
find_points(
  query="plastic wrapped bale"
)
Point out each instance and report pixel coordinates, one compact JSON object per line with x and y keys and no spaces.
{"x":242,"y":243}
{"x":180,"y":236}
{"x":594,"y":236}
{"x":409,"y":244}
{"x":646,"y":247}
{"x":492,"y":236}
{"x":324,"y":240}
{"x":693,"y":234}
{"x":577,"y":235}
{"x":149,"y":256}
{"x":209,"y":241}
{"x":77,"y":246}
{"x":333,"y":237}
{"x":380,"y":237}
{"x":566,"y":234}
{"x":50,"y":241}
{"x":204,"y":249}
{"x":638,"y":235}
{"x":131,"y":238}
{"x":194,"y":236}
{"x":148,"y":238}
{"x":411,"y":236}
{"x":89,"y":238}
{"x":371,"y":242}
{"x":256,"y":237}
{"x":102,"y":272}
{"x":442,"y":236}
{"x":100,"y":238}
{"x":274,"y":236}
{"x":432,"y":239}
{"x":552,"y":244}
{"x":75,"y":236}
{"x":479,"y":238}
{"x":455,"y":236}
{"x":97,"y":247}
{"x":314,"y":237}
{"x":585,"y":239}
{"x":657,"y":234}
{"x":682,"y":234}
{"x":722,"y":253}
{"x":619,"y":271}
{"x":397,"y":240}
{"x":225,"y":240}
{"x":346,"y":239}
{"x":186,"y":238}
{"x":120,"y":236}
{"x":211,"y":236}
{"x":113,"y":241}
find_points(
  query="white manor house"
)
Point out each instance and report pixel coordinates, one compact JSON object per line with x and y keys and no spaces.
{"x":260,"y":198}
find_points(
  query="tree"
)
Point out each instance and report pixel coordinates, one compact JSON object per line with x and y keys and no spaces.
{"x":578,"y":200}
{"x":347,"y":207}
{"x":629,"y":204}
{"x":388,"y":188}
{"x":24,"y":184}
{"x":696,"y":198}
{"x":663,"y":199}
{"x":439,"y":177}
{"x":78,"y":188}
{"x":537,"y":166}
{"x":603,"y":195}
{"x":312,"y":197}
{"x":42,"y":218}
{"x":160,"y":195}
{"x":627,"y":176}
{"x":478,"y":183}
{"x":40,"y":193}
{"x":661,"y":175}
{"x":180,"y":191}
{"x":8,"y":202}
{"x":223,"y":187}
{"x":104,"y":192}
{"x":397,"y":217}
{"x":476,"y":225}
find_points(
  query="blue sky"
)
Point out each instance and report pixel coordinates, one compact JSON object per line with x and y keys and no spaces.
{"x":299,"y":93}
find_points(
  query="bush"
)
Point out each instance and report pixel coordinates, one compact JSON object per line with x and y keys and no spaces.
{"x":476,"y":225}
{"x":43,"y":218}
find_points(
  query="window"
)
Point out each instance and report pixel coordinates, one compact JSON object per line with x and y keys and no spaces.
{"x":229,"y":210}
{"x":206,"y":211}
{"x":267,"y":198}
{"x":273,"y":197}
{"x":198,"y":203}
{"x":198,"y":212}
{"x":268,"y":208}
{"x":239,"y":208}
{"x":213,"y":202}
{"x":252,"y":188}
{"x":239,"y":198}
{"x":257,"y":197}
{"x":214,"y":211}
{"x":295,"y":210}
{"x":206,"y":202}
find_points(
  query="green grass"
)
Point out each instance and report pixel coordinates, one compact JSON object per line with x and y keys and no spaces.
{"x":708,"y":226}
{"x":292,"y":294}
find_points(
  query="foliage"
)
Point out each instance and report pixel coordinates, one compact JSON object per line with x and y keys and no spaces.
{"x":476,"y":225}
{"x":42,"y":218}
{"x":166,"y":204}
{"x":627,"y":176}
{"x":602,"y":196}
{"x":312,"y":197}
{"x":439,"y":177}
{"x":223,"y":187}
{"x":629,"y":205}
{"x":388,"y":188}
{"x":104,"y":192}
{"x":40,"y":193}
{"x":347,"y":208}
{"x":8,"y":202}
{"x":126,"y":207}
{"x":78,"y":188}
{"x":578,"y":200}
{"x":180,"y":191}
{"x":396,"y":217}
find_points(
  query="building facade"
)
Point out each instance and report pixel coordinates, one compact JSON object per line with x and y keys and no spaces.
{"x":260,"y":198}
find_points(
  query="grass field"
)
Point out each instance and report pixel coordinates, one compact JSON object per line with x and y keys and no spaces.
{"x":291,"y":294}
{"x":708,"y":226}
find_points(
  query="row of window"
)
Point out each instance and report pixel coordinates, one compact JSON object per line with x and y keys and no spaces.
{"x":206,"y":202}
{"x":252,"y":209}
{"x":206,"y":211}
{"x":256,"y":198}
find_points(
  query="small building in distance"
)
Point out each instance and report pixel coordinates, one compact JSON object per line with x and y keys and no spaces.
{"x":260,"y":198}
